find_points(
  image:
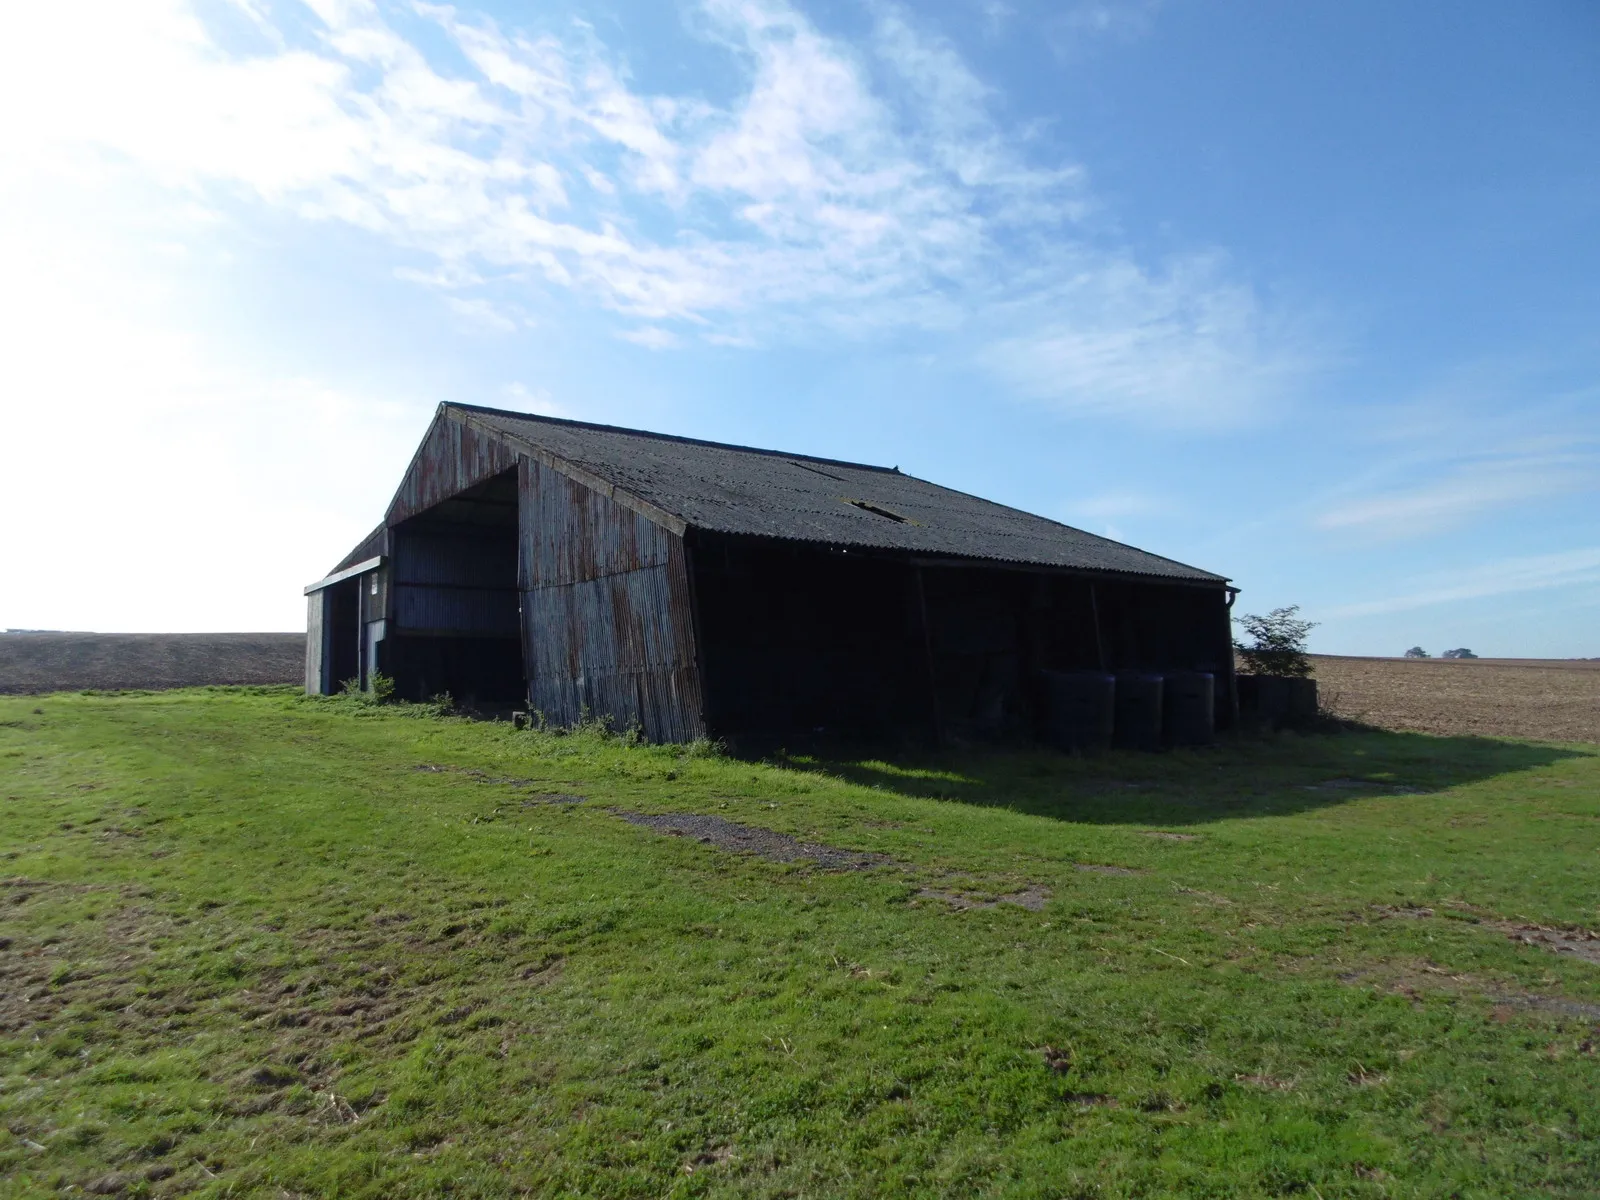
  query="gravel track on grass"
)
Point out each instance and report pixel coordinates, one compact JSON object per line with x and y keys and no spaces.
{"x":751,"y":839}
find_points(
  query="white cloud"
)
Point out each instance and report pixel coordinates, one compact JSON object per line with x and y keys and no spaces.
{"x":996,"y":16}
{"x":1126,"y":19}
{"x":156,"y":475}
{"x":822,"y":197}
{"x":1187,"y":347}
{"x":482,"y":313}
{"x":651,"y":337}
{"x":152,"y":488}
{"x":1471,"y":488}
{"x":522,"y":398}
{"x":1109,"y":505}
{"x":1508,"y":575}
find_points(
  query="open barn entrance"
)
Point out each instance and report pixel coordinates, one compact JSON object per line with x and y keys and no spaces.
{"x":844,"y":642}
{"x":343,"y":631}
{"x":796,"y":639}
{"x":453,"y":616}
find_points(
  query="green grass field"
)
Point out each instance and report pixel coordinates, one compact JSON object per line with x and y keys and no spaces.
{"x":258,"y":945}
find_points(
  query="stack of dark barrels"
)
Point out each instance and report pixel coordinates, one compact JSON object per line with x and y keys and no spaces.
{"x":1128,"y":710}
{"x":1146,"y":710}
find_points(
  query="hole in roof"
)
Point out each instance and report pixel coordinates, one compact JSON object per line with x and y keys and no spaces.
{"x":816,"y":470}
{"x":879,"y":512}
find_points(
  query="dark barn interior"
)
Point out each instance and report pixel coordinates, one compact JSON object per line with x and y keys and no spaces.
{"x":454,"y":612}
{"x":851,"y":642}
{"x":692,"y":589}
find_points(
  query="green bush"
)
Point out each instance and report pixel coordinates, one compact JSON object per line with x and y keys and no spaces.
{"x":1278,"y":643}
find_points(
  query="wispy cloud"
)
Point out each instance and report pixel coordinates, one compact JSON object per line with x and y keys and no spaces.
{"x":481,"y":313}
{"x":532,"y":399}
{"x":1486,"y":437}
{"x":1506,"y":576}
{"x":1088,"y":19}
{"x":1186,"y":346}
{"x":1469,"y":490}
{"x":997,"y":14}
{"x":1110,"y":505}
{"x":651,"y":337}
{"x":843,"y":189}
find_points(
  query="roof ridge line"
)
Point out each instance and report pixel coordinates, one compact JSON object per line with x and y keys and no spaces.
{"x":670,"y":437}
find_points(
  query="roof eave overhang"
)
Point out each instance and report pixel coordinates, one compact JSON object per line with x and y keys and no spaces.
{"x":360,"y":568}
{"x":922,"y":558}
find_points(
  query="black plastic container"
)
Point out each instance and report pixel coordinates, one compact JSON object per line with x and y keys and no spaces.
{"x":1277,"y":701}
{"x":1079,"y":709}
{"x":1189,"y":708}
{"x":1138,"y":719}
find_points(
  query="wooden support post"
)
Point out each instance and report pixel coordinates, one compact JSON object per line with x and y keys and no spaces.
{"x":1232,"y":594}
{"x":1099,"y":638}
{"x":927,"y":654}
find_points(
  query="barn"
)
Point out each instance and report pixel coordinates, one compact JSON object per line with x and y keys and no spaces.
{"x":690,"y":588}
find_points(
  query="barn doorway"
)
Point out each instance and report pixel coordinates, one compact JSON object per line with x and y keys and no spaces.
{"x":455,"y":623}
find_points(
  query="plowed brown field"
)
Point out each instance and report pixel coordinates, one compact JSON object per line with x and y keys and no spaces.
{"x":59,"y":662}
{"x":1556,"y":700}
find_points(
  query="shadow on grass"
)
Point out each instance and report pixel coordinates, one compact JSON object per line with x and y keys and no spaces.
{"x":1242,"y":776}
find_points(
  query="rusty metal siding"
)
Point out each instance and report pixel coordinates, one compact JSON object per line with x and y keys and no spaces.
{"x":451,"y":459}
{"x":607,"y":625}
{"x":579,"y":534}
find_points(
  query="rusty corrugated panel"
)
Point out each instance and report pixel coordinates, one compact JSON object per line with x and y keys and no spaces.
{"x":571,"y":533}
{"x":607,"y":629}
{"x":451,"y":459}
{"x":608,"y":646}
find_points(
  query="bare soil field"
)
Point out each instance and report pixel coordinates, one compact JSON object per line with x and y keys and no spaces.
{"x":1546,"y":699}
{"x":1555,"y":700}
{"x":66,"y":662}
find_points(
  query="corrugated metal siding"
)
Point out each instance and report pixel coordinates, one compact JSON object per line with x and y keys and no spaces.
{"x":455,"y":558}
{"x":607,"y":622}
{"x":451,"y":459}
{"x":468,"y":612}
{"x":455,"y":582}
{"x":578,"y":534}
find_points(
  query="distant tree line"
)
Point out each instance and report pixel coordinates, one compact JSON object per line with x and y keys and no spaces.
{"x":1459,"y":652}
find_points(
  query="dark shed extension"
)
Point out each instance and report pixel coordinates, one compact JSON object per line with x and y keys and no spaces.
{"x":692,"y":588}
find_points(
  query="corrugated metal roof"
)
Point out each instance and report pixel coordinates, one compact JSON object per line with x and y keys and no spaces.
{"x":767,"y":493}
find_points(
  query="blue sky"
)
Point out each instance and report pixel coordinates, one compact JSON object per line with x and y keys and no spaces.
{"x":1308,"y":295}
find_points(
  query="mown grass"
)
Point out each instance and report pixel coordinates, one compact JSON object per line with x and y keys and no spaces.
{"x":261,"y":945}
